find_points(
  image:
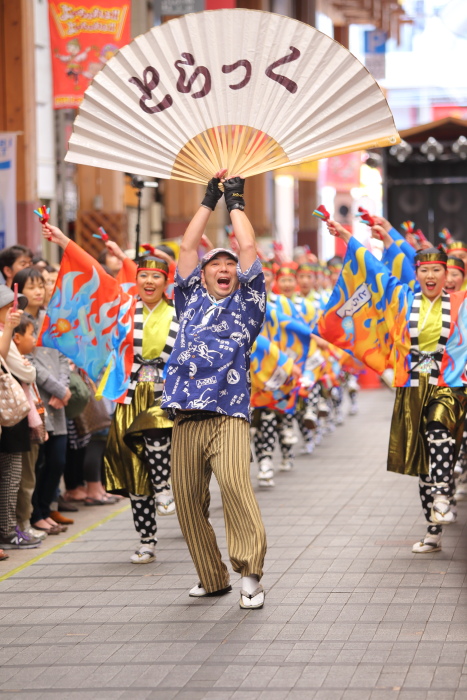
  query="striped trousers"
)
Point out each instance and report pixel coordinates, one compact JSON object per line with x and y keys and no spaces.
{"x":10,"y":478}
{"x":219,"y":446}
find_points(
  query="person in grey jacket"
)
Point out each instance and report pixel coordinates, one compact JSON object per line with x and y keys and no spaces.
{"x":52,"y":379}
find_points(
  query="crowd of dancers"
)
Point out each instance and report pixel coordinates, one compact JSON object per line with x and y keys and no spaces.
{"x":204,"y":357}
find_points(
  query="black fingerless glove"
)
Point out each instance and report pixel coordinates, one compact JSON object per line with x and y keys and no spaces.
{"x":213,"y":194}
{"x":233,"y":193}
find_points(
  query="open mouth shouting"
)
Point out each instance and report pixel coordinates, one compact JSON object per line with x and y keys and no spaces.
{"x":224,"y":282}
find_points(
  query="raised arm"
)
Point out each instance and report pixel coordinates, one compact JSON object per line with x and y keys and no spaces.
{"x":380,"y":234}
{"x":12,"y":320}
{"x":336,"y":229}
{"x":53,"y":234}
{"x":242,"y":228}
{"x":188,"y":258}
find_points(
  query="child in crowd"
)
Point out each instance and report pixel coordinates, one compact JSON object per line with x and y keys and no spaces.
{"x":25,"y":342}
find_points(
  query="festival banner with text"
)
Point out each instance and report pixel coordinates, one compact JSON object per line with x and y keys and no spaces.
{"x":83,"y":37}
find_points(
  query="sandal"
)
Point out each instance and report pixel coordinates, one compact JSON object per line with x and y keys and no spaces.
{"x":247,"y":600}
{"x":199,"y":592}
{"x":99,"y":501}
{"x":165,"y":504}
{"x":442,"y":513}
{"x":144,"y":555}
{"x":3,"y":556}
{"x":430,"y":543}
{"x":49,"y":530}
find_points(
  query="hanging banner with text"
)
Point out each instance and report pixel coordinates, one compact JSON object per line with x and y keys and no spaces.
{"x":7,"y":189}
{"x":175,"y":8}
{"x":83,"y":36}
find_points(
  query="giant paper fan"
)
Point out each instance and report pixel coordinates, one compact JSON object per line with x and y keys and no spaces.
{"x":238,"y":89}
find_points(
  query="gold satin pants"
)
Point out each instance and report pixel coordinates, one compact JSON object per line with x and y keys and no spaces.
{"x":414,"y":408}
{"x":219,"y":446}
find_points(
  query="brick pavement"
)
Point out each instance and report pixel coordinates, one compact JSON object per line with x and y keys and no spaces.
{"x":350,"y":614}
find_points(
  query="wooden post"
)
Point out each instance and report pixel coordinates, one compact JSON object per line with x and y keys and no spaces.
{"x":101,"y":200}
{"x":18,"y":108}
{"x":341,"y":34}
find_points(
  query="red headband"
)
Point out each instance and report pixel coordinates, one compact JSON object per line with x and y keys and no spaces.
{"x":452,"y":250}
{"x":153,"y":269}
{"x":456,"y":267}
{"x":419,"y":263}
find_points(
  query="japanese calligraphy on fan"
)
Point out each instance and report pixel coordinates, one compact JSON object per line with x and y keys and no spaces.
{"x":198,"y":82}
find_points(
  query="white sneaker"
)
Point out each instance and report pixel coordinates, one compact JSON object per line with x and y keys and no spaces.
{"x":353,"y":410}
{"x":165,"y":504}
{"x":286,"y":465}
{"x":39,"y":534}
{"x":266,"y":472}
{"x":430,"y":543}
{"x":144,"y":554}
{"x":339,"y":416}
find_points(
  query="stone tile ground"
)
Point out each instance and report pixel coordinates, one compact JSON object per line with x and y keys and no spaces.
{"x":350,"y":614}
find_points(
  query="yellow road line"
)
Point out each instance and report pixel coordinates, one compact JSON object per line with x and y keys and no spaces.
{"x":62,"y":544}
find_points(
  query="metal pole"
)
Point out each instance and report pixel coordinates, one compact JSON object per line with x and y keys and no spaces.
{"x":138,"y":221}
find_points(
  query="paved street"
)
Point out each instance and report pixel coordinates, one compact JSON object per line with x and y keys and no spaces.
{"x":350,"y":614}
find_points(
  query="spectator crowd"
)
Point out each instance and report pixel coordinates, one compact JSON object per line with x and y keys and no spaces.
{"x":53,"y":430}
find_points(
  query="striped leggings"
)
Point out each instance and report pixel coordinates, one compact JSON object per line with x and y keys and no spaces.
{"x":10,"y":479}
{"x":219,"y":446}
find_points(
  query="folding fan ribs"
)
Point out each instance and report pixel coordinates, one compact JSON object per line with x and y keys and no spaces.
{"x":241,"y":149}
{"x":200,"y":93}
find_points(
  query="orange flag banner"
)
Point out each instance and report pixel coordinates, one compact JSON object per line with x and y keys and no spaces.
{"x":83,"y":37}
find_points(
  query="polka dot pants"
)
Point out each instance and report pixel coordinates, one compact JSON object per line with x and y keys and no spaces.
{"x":307,"y":433}
{"x":463,"y":450}
{"x":157,"y":460}
{"x":337,"y":394}
{"x":441,"y":451}
{"x":425,"y":486}
{"x":285,"y":423}
{"x":265,"y":436}
{"x":314,"y":395}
